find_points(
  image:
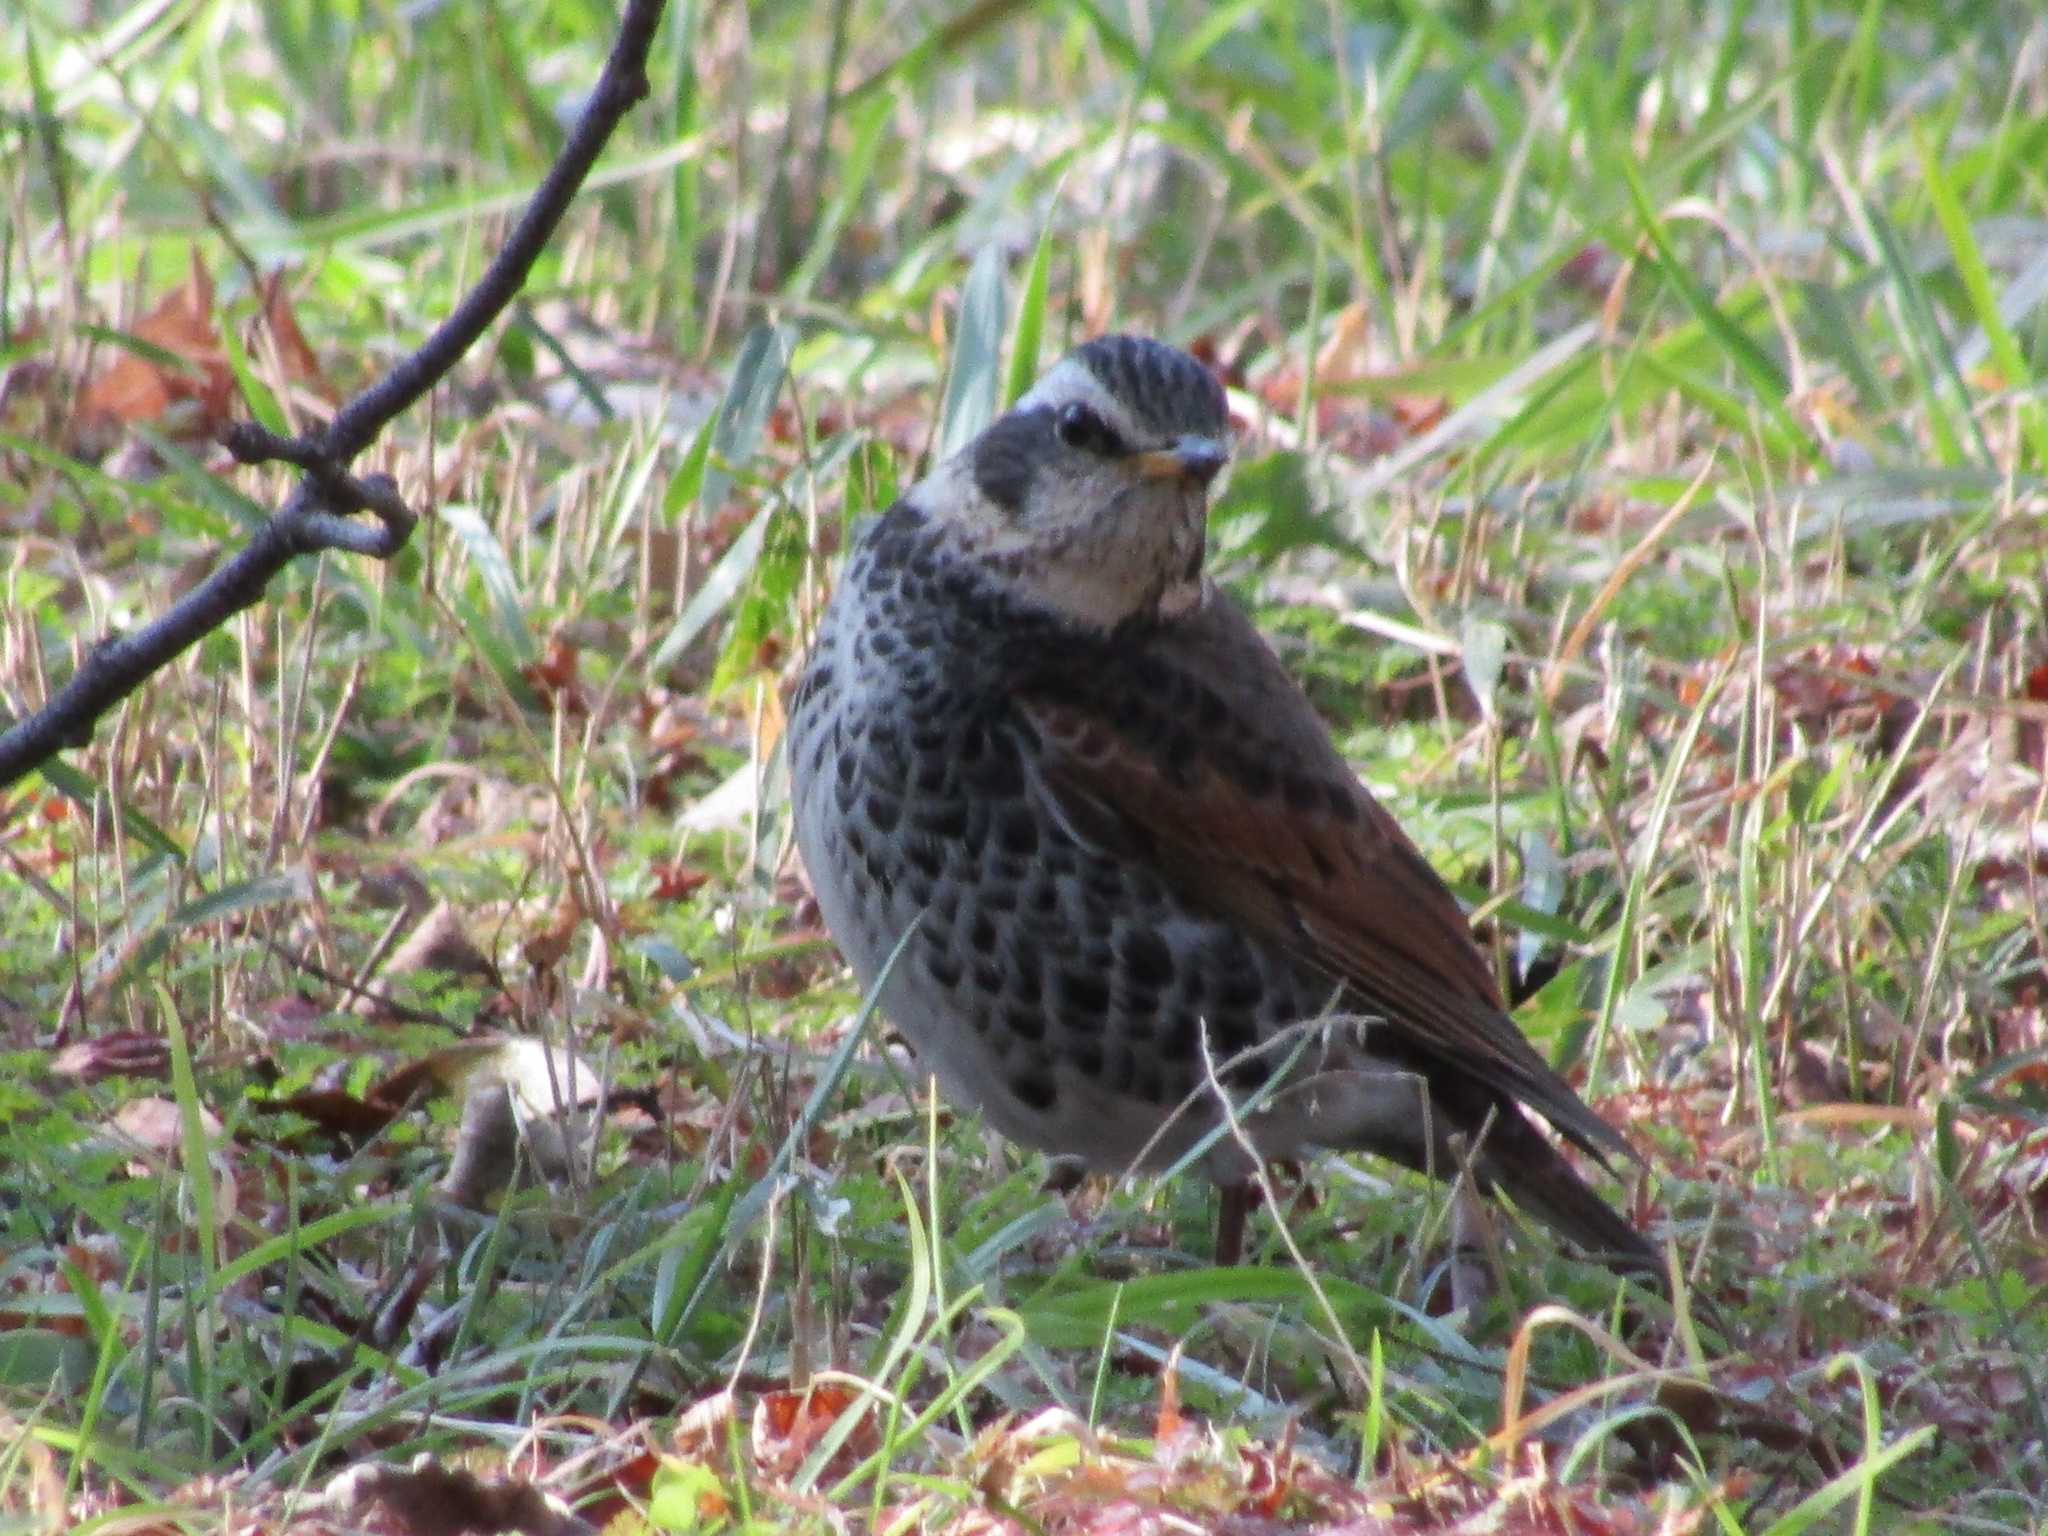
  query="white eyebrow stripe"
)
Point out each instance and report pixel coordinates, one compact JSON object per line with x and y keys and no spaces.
{"x":1068,"y":381}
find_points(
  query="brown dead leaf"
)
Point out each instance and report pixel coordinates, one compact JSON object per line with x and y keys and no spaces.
{"x":1417,"y":414}
{"x":2032,"y":745}
{"x":677,"y":880}
{"x":1832,"y":687}
{"x":546,"y":947}
{"x":31,"y":387}
{"x":1352,"y":369}
{"x":440,"y":943}
{"x":154,"y":1124}
{"x":340,"y":1115}
{"x":37,"y":1483}
{"x":789,"y":1425}
{"x":294,"y":356}
{"x":394,"y":884}
{"x":612,"y":1497}
{"x":1168,"y":1425}
{"x":554,"y":677}
{"x":1346,"y":354}
{"x":124,"y":1053}
{"x":290,"y":1016}
{"x":1592,"y":270}
{"x":669,"y":721}
{"x":701,"y":1431}
{"x":192,"y":401}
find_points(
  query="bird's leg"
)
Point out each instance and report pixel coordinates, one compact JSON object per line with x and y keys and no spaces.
{"x":1231,"y":1213}
{"x":1471,"y":1243}
{"x":1474,"y":1242}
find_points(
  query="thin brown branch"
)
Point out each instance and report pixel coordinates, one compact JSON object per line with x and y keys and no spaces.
{"x":322,"y":513}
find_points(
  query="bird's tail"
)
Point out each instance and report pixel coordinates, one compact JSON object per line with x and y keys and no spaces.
{"x":1534,"y":1174}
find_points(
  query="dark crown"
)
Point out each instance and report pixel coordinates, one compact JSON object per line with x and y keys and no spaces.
{"x":1167,"y":393}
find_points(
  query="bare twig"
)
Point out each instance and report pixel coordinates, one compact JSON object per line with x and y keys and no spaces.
{"x":320,"y":513}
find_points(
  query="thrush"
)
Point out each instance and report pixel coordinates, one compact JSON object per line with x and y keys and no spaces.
{"x":1153,"y":908}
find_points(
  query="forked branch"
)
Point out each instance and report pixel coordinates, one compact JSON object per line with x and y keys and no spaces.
{"x":323,"y":512}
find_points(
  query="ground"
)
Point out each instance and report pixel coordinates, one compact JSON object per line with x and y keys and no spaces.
{"x":1639,"y":460}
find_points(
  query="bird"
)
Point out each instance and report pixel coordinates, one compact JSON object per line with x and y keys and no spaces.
{"x":1150,"y":909}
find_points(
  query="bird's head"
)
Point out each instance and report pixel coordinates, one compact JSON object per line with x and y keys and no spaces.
{"x":1091,"y":495}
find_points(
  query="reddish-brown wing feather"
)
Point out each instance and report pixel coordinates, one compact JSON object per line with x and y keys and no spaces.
{"x":1215,"y":768}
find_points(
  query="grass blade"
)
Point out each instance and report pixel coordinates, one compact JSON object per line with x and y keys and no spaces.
{"x":977,"y":355}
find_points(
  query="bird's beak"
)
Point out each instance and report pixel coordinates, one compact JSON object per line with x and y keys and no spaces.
{"x":1192,"y":458}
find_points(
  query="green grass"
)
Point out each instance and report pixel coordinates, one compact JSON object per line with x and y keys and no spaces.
{"x":1642,"y":464}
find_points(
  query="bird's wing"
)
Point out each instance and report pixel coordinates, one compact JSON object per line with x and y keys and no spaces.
{"x":1207,"y":761}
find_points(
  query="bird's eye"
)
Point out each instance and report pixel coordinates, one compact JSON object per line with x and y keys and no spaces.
{"x":1079,"y":427}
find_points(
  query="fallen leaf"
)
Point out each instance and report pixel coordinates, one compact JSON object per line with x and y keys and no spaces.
{"x":702,"y":1429}
{"x":546,"y":947}
{"x":554,"y":677}
{"x":192,"y":401}
{"x":439,"y":944}
{"x":342,"y":1116}
{"x":676,"y":881}
{"x":124,"y":1053}
{"x":789,"y":1425}
{"x":294,"y":356}
{"x":155,"y":1125}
